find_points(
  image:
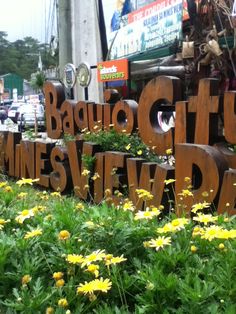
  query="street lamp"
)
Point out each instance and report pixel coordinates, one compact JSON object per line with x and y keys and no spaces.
{"x":40,"y":68}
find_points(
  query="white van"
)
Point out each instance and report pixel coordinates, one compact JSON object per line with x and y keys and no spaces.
{"x":29,"y":115}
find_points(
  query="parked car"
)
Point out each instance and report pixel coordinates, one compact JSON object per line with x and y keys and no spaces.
{"x":29,"y":114}
{"x":7,"y":103}
{"x":13,"y":111}
{"x":3,"y":114}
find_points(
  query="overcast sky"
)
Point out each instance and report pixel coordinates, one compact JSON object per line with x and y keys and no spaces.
{"x":22,"y":18}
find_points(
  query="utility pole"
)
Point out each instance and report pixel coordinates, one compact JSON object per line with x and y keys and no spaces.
{"x":40,"y":64}
{"x":87,"y":44}
{"x":65,"y":38}
{"x":79,"y":41}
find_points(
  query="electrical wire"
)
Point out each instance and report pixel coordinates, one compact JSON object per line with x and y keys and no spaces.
{"x":48,"y":23}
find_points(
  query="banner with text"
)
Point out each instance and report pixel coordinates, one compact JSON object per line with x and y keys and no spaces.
{"x":131,"y":30}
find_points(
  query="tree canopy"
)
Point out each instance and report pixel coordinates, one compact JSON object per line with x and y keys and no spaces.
{"x":21,"y":56}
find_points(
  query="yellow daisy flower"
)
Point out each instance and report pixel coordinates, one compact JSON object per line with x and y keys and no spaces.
{"x":8,"y":189}
{"x":56,"y":194}
{"x":166,"y":228}
{"x":102,"y":285}
{"x":128,"y":205}
{"x":25,"y":280}
{"x":48,"y":217}
{"x":115,"y":260}
{"x":49,"y":310}
{"x":193,"y":249}
{"x":2,"y":184}
{"x":25,"y":214}
{"x":64,"y":235}
{"x":179,"y":223}
{"x":24,"y":181}
{"x":22,"y":195}
{"x":144,"y":194}
{"x":199,"y":206}
{"x":93,"y":257}
{"x":3,"y":221}
{"x":80,"y":206}
{"x":232,"y":233}
{"x":95,"y":285}
{"x":187,"y":180}
{"x":205,"y":219}
{"x":93,"y":269}
{"x":62,"y":303}
{"x":75,"y":259}
{"x":197,"y":231}
{"x":113,"y":171}
{"x":221,"y":246}
{"x":205,"y":194}
{"x":39,"y":208}
{"x":86,"y":288}
{"x":160,"y":242}
{"x":169,"y":181}
{"x":225,"y":234}
{"x":33,"y":233}
{"x":58,"y":275}
{"x":147,"y":214}
{"x":185,"y":193}
{"x":85,"y":172}
{"x":90,"y":224}
{"x":169,"y":151}
{"x":146,"y":244}
{"x":60,"y":283}
{"x":127,"y":147}
{"x":211,"y":232}
{"x":108,"y":257}
{"x":95,"y":176}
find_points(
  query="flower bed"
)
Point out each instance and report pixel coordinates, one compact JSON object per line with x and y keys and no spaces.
{"x":59,"y":255}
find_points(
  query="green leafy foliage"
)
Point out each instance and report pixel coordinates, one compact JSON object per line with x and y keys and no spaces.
{"x":37,"y":81}
{"x":89,"y":161}
{"x":172,"y":278}
{"x":114,"y":141}
{"x":21,"y":56}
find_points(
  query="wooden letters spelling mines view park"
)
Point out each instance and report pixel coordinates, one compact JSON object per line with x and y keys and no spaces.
{"x":201,"y":144}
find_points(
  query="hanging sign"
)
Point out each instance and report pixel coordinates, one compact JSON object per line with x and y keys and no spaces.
{"x":113,"y":70}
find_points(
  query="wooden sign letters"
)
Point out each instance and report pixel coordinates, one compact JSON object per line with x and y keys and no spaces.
{"x":200,"y":142}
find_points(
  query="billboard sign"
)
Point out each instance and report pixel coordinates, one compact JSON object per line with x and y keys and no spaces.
{"x":133,"y":28}
{"x":114,"y":70}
